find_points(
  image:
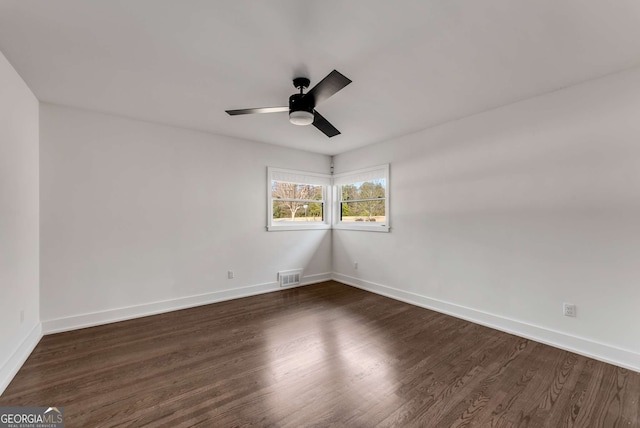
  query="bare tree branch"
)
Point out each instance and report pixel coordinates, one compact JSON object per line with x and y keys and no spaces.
{"x":282,"y":190}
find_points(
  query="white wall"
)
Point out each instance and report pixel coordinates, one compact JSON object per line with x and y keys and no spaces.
{"x":19,"y":289}
{"x":503,"y":216}
{"x":497,"y":218}
{"x":140,"y":218}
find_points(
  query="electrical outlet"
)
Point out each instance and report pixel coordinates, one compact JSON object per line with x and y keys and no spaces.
{"x":355,"y":265}
{"x":569,"y":310}
{"x":230,"y":274}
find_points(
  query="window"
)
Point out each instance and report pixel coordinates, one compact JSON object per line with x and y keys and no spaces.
{"x":362,"y":199}
{"x":357,"y":200}
{"x":297,"y":200}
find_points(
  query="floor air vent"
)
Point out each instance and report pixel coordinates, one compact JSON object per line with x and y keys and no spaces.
{"x":288,"y":278}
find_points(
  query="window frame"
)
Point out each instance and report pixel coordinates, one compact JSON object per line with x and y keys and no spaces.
{"x":342,"y":179}
{"x":323,"y":180}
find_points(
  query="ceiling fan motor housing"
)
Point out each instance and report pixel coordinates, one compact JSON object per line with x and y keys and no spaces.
{"x":301,"y":109}
{"x":300,"y":102}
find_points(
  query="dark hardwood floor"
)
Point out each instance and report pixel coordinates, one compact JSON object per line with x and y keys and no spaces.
{"x":316,"y":356}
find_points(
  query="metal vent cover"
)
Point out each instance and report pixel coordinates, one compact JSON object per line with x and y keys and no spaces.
{"x":288,"y":278}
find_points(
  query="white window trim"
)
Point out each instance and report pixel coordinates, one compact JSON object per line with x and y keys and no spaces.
{"x":352,"y":176}
{"x":305,"y":178}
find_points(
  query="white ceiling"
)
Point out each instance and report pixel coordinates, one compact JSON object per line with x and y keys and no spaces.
{"x":414,"y":64}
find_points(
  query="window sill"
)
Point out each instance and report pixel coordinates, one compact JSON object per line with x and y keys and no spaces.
{"x":363,"y":228}
{"x":277,"y":228}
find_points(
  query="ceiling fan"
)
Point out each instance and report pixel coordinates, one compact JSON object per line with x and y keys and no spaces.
{"x":302,"y":107}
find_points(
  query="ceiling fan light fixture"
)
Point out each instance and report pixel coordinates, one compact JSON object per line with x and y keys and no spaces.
{"x":301,"y":118}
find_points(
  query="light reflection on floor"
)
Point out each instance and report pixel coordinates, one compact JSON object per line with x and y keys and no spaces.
{"x":314,"y":358}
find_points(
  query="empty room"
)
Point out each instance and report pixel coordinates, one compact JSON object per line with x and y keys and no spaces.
{"x":305,"y":213}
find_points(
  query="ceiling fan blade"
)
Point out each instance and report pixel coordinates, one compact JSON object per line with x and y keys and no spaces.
{"x":328,"y":86}
{"x":257,"y":110}
{"x":323,"y":125}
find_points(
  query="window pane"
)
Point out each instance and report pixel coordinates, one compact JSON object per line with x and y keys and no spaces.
{"x":282,"y":190}
{"x":364,"y":190}
{"x":365,"y":211}
{"x":298,"y":211}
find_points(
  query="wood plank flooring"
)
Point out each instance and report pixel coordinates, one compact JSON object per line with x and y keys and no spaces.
{"x":317,"y":356}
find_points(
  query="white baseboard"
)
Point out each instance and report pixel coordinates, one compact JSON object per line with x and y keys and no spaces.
{"x":20,"y":355}
{"x":316,"y":278}
{"x":579,"y":345}
{"x":121,"y":314}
